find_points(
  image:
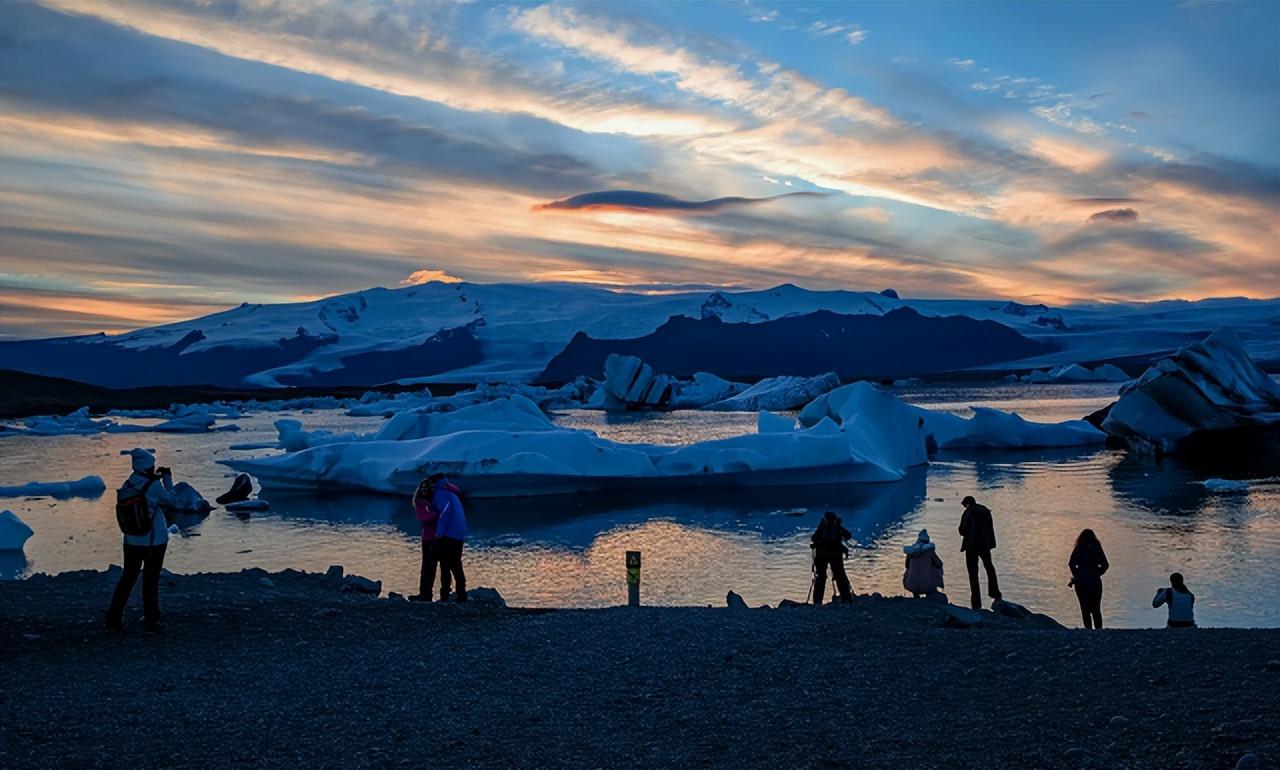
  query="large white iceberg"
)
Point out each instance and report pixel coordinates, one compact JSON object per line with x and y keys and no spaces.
{"x":13,"y":532}
{"x":1210,"y":385}
{"x":988,"y":428}
{"x":89,"y":486}
{"x":778,"y":394}
{"x":547,"y":459}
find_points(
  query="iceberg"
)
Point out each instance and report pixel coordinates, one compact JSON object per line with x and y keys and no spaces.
{"x":778,"y":394}
{"x":1078,"y":373}
{"x":630,"y":383}
{"x":89,"y":486}
{"x":1208,"y":386}
{"x":14,"y":532}
{"x":547,"y":459}
{"x":987,"y":429}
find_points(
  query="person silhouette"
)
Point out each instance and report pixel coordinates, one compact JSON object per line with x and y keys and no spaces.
{"x":1088,"y":564}
{"x":923,"y":573}
{"x":1181,"y":602}
{"x":829,"y":550}
{"x":978,"y":539}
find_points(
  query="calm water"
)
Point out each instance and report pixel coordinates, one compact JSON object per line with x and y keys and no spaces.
{"x":568,"y":551}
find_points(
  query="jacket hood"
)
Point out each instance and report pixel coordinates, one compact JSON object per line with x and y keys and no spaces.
{"x":921,"y":545}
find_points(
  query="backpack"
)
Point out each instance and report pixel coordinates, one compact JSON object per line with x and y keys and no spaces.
{"x":133,"y":514}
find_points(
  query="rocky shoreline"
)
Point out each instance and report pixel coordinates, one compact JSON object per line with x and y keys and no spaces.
{"x":290,"y":670}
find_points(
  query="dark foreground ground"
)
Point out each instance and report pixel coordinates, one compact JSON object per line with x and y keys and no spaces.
{"x":300,"y":675}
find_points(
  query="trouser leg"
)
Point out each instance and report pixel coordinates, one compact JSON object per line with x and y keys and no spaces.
{"x":132,"y":565}
{"x":1086,"y":617}
{"x":975,"y":590}
{"x":993,"y":585}
{"x":152,"y":563}
{"x":427,"y":575}
{"x":819,"y":578}
{"x":446,"y":577}
{"x":451,"y":562}
{"x":841,"y":579}
{"x":1096,"y":608}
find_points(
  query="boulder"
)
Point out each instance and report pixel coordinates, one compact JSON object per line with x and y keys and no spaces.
{"x":1207,"y":387}
{"x":789,"y":603}
{"x":959,"y":617}
{"x":1010,"y":610}
{"x":361,"y":585}
{"x":735,"y":602}
{"x":334,"y":572}
{"x":486,"y":597}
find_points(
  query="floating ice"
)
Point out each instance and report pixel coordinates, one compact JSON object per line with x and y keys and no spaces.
{"x":1078,"y":373}
{"x":1225,"y":485}
{"x":988,"y":428}
{"x":1210,"y":385}
{"x":551,"y":460}
{"x":630,"y":383}
{"x":778,"y":394}
{"x":89,"y":486}
{"x":245,"y":506}
{"x":13,"y":532}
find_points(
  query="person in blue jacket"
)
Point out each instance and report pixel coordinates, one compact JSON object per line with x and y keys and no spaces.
{"x":144,"y":553}
{"x":451,"y":530}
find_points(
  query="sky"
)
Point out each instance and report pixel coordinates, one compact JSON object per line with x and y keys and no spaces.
{"x":160,"y":160}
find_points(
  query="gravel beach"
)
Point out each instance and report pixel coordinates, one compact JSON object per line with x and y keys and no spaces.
{"x":289,"y":671}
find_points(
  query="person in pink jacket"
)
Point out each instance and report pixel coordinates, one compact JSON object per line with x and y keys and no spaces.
{"x":428,"y":516}
{"x":923,"y":575}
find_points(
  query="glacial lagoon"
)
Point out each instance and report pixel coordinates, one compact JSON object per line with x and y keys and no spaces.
{"x":568,"y":551}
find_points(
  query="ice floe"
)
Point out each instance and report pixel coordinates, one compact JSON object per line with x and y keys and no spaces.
{"x":778,"y":394}
{"x":14,"y":532}
{"x":1077,"y":373}
{"x":89,"y":486}
{"x":1210,"y":385}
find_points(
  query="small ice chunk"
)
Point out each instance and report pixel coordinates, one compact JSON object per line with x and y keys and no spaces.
{"x":13,"y":532}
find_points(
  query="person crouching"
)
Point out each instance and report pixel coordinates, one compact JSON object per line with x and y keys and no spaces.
{"x":923,"y":574}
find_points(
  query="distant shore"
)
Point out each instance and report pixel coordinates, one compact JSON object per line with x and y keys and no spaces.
{"x":287,"y":670}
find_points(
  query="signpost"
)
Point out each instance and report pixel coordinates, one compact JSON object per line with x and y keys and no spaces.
{"x":633,"y":578}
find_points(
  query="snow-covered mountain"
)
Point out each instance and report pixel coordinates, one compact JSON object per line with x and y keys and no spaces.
{"x":464,"y":332}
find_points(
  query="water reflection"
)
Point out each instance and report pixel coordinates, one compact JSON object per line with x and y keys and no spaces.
{"x":575,"y":521}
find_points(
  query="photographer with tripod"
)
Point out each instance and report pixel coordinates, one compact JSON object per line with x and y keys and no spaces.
{"x":829,"y":551}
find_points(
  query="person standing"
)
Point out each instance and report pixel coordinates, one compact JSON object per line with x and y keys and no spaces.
{"x":451,"y":532}
{"x":427,"y":517}
{"x":978,"y":539}
{"x":923,"y":573}
{"x":144,"y":497}
{"x":829,"y":550}
{"x":1181,"y":601}
{"x":1088,"y":564}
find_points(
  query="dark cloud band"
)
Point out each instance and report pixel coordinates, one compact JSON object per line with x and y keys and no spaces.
{"x":637,"y":200}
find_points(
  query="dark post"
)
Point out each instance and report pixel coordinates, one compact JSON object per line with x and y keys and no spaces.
{"x":633,"y":578}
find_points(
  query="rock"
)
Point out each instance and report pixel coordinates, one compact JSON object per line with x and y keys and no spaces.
{"x":1118,"y":721}
{"x":734,"y":601}
{"x":787,"y":603}
{"x":1075,"y":754}
{"x":327,"y":612}
{"x":1010,"y":610}
{"x":959,"y":617}
{"x":486,"y":597}
{"x":266,"y":582}
{"x":1273,"y":665}
{"x":1248,"y":762}
{"x":397,"y":596}
{"x":334,"y":572}
{"x":361,"y":585}
{"x":241,"y":488}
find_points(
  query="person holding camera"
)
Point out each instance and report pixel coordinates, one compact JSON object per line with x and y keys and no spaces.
{"x":1182,"y":603}
{"x":829,"y":551}
{"x":144,"y":497}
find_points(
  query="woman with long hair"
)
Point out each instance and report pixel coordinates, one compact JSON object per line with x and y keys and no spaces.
{"x":1088,"y":564}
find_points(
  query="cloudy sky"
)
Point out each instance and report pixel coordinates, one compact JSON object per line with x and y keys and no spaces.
{"x":159,"y":160}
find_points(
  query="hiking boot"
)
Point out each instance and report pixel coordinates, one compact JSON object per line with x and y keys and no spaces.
{"x":461,"y":596}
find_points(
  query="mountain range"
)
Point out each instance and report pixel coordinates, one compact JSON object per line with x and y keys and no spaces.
{"x":464,"y":332}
